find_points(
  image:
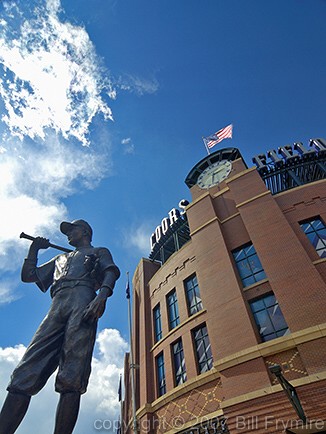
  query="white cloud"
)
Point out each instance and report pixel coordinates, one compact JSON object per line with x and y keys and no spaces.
{"x":107,"y":365}
{"x":41,"y":407}
{"x":53,"y":6}
{"x":139,"y":238}
{"x":52,"y":77}
{"x":99,"y":403}
{"x":32,"y":182}
{"x":139,"y":86}
{"x":7,"y":295}
{"x":51,"y":87}
{"x":128,"y":146}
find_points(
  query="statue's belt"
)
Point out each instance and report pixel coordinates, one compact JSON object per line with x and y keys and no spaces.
{"x":60,"y":285}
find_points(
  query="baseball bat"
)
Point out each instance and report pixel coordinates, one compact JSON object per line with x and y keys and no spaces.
{"x":54,"y":246}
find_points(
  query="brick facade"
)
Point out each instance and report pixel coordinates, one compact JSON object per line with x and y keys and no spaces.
{"x":239,"y":387}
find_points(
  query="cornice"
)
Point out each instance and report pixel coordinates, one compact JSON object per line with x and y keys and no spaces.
{"x":272,"y":347}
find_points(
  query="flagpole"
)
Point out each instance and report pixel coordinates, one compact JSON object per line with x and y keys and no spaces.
{"x":132,"y":363}
{"x":121,"y":425}
{"x":206,"y":145}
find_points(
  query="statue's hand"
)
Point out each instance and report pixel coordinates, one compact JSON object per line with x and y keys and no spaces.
{"x":40,"y":243}
{"x":95,"y":309}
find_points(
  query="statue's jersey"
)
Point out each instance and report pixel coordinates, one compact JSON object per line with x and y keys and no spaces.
{"x":70,"y":269}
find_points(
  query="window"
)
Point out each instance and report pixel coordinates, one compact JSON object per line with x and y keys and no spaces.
{"x":160,"y":370}
{"x":269,"y":318}
{"x":203,"y":349}
{"x":192,"y":295}
{"x":315,"y":230}
{"x":157,"y":323}
{"x":180,"y":375}
{"x":173,"y":310}
{"x":248,"y":265}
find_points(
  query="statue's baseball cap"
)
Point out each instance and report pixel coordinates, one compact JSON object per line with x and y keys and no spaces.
{"x":65,"y":227}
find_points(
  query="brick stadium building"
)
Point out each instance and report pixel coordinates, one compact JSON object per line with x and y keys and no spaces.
{"x":233,"y":287}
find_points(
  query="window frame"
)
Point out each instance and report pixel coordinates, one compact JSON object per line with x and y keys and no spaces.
{"x":208,"y":361}
{"x":157,"y":319}
{"x":179,"y":361}
{"x":277,"y":332}
{"x":252,"y":277}
{"x":160,"y":367}
{"x":315,"y":231}
{"x":192,"y":292}
{"x":175,"y":320}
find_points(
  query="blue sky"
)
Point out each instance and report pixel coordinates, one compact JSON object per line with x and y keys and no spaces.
{"x":103,"y":105}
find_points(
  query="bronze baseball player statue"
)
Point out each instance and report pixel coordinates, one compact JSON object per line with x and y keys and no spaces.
{"x":80,"y":283}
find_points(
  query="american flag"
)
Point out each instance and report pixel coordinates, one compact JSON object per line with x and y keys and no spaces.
{"x":224,"y":133}
{"x":127,"y":287}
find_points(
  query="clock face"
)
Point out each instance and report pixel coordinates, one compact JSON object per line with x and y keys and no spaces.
{"x":214,"y":174}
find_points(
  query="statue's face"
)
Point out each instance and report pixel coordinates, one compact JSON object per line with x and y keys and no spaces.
{"x":76,"y":236}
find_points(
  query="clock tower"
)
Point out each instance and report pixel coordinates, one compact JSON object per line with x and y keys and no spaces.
{"x":212,"y":171}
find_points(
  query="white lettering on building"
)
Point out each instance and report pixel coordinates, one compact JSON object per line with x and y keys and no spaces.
{"x":168,"y":222}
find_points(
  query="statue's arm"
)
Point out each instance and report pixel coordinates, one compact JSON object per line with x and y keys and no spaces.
{"x":29,"y":272}
{"x":108,"y":283}
{"x":111,"y":274}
